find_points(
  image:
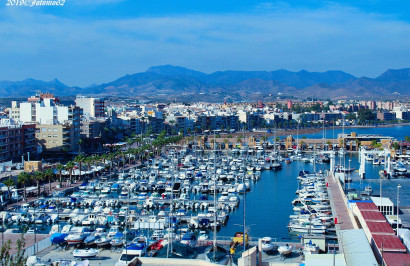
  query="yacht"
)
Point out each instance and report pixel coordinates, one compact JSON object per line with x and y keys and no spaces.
{"x":77,"y":235}
{"x":285,"y":250}
{"x":267,"y":244}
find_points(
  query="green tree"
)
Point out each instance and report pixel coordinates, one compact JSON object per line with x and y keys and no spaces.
{"x":60,"y":168}
{"x":23,"y":178}
{"x":79,"y":159}
{"x":38,"y":177}
{"x":69,"y":167}
{"x":406,"y":138}
{"x":48,"y":175}
{"x":364,"y":115}
{"x":18,"y":258}
{"x":9,"y":183}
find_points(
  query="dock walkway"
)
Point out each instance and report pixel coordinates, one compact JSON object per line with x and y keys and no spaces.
{"x":338,"y":203}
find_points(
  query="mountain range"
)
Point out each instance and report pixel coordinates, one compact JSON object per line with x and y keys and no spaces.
{"x":174,"y":80}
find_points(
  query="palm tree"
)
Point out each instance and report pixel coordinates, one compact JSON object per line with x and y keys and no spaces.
{"x":22,"y":178}
{"x":48,"y":175}
{"x":80,"y":143}
{"x":9,"y":183}
{"x":69,"y":167}
{"x":79,"y":159}
{"x":38,"y":177}
{"x":60,"y":168}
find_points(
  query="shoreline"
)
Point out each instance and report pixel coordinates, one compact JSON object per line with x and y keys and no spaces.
{"x":303,"y":131}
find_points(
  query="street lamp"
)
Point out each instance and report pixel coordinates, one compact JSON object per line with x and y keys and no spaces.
{"x":397,"y":227}
{"x":348,"y":175}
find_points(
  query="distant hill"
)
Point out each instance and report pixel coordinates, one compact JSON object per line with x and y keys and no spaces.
{"x":29,"y":87}
{"x":174,"y":80}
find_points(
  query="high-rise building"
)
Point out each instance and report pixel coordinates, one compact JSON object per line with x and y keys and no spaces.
{"x":92,"y":107}
{"x":57,"y":126}
{"x":16,"y":139}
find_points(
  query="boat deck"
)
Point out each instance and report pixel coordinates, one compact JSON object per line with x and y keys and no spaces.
{"x":339,"y":207}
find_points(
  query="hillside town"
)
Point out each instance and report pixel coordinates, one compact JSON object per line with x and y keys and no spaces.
{"x":42,"y":126}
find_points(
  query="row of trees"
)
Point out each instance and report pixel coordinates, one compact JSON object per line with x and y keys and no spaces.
{"x":138,"y":148}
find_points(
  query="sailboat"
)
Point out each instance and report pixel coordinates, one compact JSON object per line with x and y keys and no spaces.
{"x":216,"y":254}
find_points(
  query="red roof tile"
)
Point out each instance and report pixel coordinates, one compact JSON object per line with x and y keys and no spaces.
{"x":372,"y":216}
{"x":396,"y":259}
{"x":366,"y":206}
{"x":390,"y":243}
{"x":380,"y":228}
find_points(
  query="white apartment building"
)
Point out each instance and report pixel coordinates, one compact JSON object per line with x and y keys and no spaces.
{"x":92,"y":107}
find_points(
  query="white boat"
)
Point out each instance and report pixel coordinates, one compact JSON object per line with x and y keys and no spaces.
{"x":77,"y":235}
{"x":309,"y":248}
{"x":103,"y":241}
{"x":341,"y":151}
{"x":85,"y":253}
{"x":285,"y":250}
{"x":113,"y":230}
{"x":267,"y":244}
{"x":203,"y":236}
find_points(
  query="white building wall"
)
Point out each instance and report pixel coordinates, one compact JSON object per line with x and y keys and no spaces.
{"x":87,"y":104}
{"x":25,"y":112}
{"x":45,"y":114}
{"x":62,"y":114}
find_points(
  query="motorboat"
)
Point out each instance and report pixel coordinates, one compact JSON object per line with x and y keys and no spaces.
{"x":400,"y":169}
{"x":117,"y":240}
{"x":90,"y":240}
{"x":113,"y":230}
{"x":267,"y":244}
{"x":285,"y":250}
{"x":132,"y":251}
{"x":77,"y":235}
{"x":203,"y":236}
{"x":158,"y":244}
{"x":103,"y":241}
{"x":85,"y":253}
{"x":189,"y":239}
{"x":310,"y":248}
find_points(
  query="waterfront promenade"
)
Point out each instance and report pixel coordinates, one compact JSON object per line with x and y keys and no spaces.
{"x":338,"y":202}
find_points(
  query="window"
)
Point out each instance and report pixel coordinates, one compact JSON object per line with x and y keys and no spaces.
{"x":43,"y":129}
{"x":55,"y":130}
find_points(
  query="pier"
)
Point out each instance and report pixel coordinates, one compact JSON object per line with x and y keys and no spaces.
{"x":338,"y":203}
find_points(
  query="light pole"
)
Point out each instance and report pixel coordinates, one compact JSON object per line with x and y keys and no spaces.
{"x":397,"y":227}
{"x":348,"y":184}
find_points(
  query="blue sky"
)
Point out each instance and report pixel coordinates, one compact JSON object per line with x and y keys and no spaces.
{"x":95,"y":41}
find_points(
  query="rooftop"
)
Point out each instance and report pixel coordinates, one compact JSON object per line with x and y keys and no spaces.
{"x":372,"y":216}
{"x":388,"y":243}
{"x":378,"y":228}
{"x":396,"y":259}
{"x":366,"y":206}
{"x":383,"y":200}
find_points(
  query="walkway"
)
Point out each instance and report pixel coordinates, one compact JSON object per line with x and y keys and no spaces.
{"x":338,"y":203}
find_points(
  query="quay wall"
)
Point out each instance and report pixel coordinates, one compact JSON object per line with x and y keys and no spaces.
{"x":346,"y":200}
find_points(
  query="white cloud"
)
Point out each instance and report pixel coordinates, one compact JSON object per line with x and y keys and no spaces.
{"x":81,"y":52}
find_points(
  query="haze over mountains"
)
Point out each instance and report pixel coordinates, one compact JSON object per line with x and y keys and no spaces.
{"x":171,"y":80}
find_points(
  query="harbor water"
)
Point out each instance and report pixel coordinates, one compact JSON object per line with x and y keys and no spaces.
{"x":268,"y":205}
